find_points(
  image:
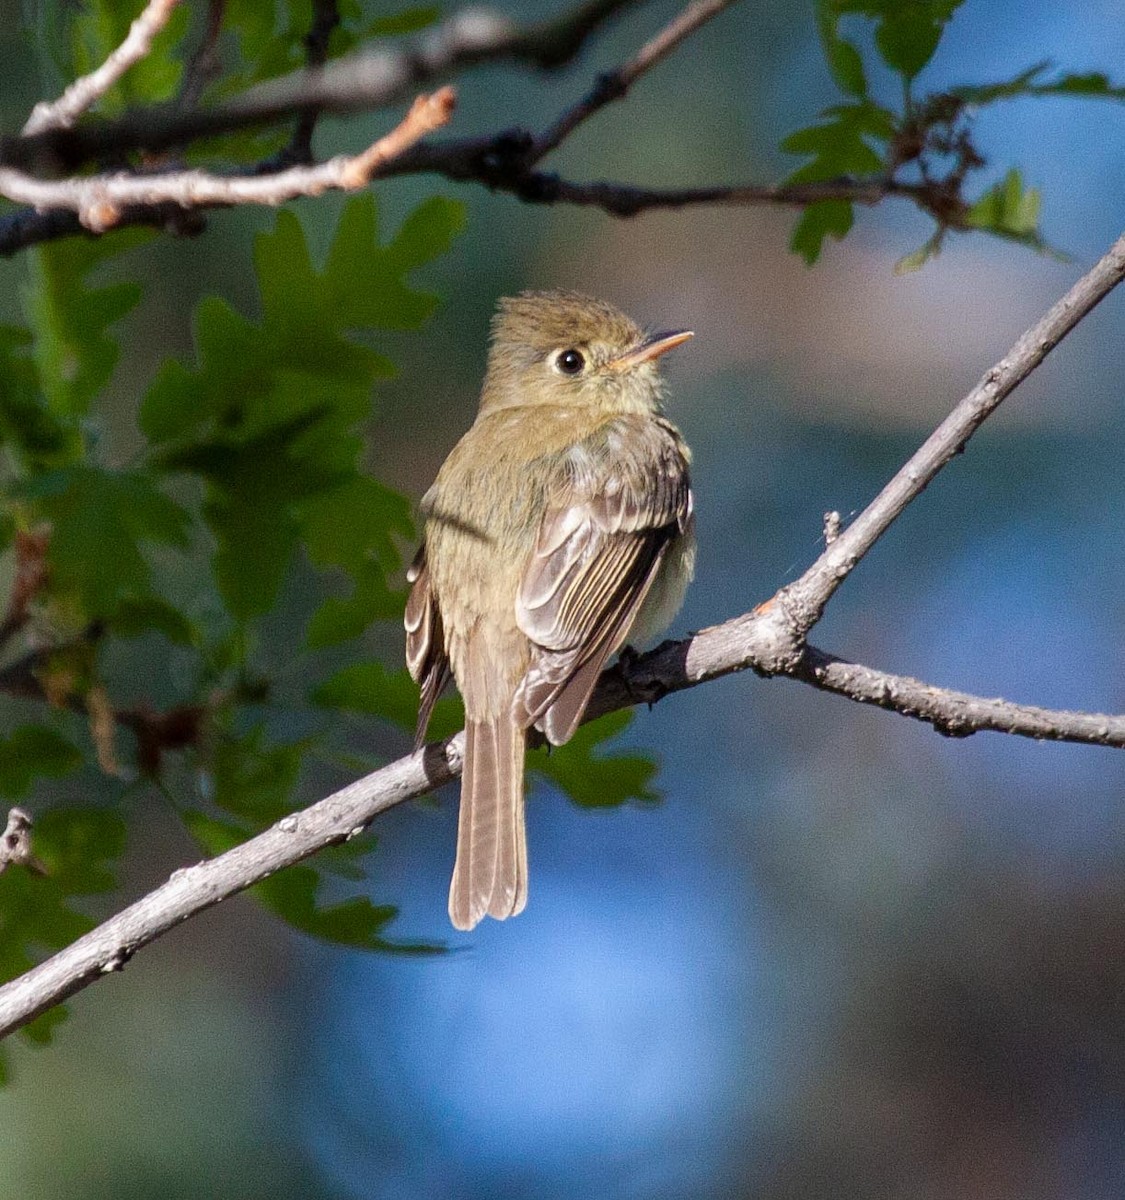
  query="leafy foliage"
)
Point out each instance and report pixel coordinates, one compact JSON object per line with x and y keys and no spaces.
{"x":597,"y":780}
{"x":852,"y":142}
{"x":1093,"y":84}
{"x":77,"y":848}
{"x":269,"y":418}
{"x":926,"y":148}
{"x":252,"y":449}
{"x":368,"y":688}
{"x":1010,"y":210}
{"x":907,"y":32}
{"x":113,"y":512}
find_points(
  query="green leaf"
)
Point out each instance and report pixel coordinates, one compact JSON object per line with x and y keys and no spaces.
{"x":267,"y":47}
{"x":843,"y":58}
{"x":74,"y":352}
{"x":41,"y":1030}
{"x":270,"y":416}
{"x":255,"y":485}
{"x":907,"y":32}
{"x":840,"y":147}
{"x":366,"y":279}
{"x":354,"y":527}
{"x":30,"y":752}
{"x":907,"y":39}
{"x":826,"y":218}
{"x":41,"y":438}
{"x":1008,"y":209}
{"x":79,"y":849}
{"x":409,"y":20}
{"x":370,"y":689}
{"x":1093,"y":84}
{"x":916,"y":259}
{"x":294,"y":895}
{"x":136,"y":616}
{"x":255,"y":780}
{"x":595,"y":780}
{"x":100,"y":520}
{"x":339,"y":620}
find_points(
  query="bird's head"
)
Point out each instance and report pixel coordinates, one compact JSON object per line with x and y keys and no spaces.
{"x":564,"y":349}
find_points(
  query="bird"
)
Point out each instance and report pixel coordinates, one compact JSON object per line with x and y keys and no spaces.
{"x":558,"y":531}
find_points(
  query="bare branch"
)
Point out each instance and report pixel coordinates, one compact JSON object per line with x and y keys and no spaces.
{"x":101,"y":200}
{"x":613,"y":85}
{"x":769,"y":640}
{"x":503,"y":162}
{"x":86,"y":91}
{"x":956,"y":714}
{"x":803,"y":601}
{"x":475,"y":161}
{"x":748,"y":642}
{"x":359,"y":82}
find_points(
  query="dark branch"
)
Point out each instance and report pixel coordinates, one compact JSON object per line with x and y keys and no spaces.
{"x":326,"y":17}
{"x":614,"y":85}
{"x":360,"y":82}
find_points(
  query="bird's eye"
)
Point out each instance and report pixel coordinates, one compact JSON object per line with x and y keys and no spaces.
{"x":570,"y":362}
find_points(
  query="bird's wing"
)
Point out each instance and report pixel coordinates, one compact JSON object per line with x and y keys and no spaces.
{"x":599,"y":549}
{"x":425,"y":642}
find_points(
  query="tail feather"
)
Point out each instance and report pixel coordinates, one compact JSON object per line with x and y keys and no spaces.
{"x":490,"y":875}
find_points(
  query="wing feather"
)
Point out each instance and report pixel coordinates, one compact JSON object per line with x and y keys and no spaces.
{"x":599,"y":550}
{"x":426,"y":659}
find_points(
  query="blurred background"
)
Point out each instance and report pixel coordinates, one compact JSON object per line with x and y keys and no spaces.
{"x":842,"y":956}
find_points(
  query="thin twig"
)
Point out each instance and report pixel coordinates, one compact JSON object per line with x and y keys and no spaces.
{"x":956,"y":714}
{"x":765,"y":640}
{"x":204,"y":62}
{"x":86,"y":91}
{"x":101,"y":200}
{"x":363,"y":81}
{"x":613,"y":85}
{"x":326,"y":17}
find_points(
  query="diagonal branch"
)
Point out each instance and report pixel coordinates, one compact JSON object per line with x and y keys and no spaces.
{"x":614,"y":85}
{"x":86,"y":91}
{"x":804,"y":600}
{"x":769,"y":640}
{"x":747,"y":642}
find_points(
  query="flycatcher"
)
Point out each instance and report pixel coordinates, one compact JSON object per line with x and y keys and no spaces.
{"x":558,"y":529}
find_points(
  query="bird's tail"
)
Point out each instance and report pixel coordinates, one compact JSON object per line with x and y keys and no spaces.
{"x":490,"y":875}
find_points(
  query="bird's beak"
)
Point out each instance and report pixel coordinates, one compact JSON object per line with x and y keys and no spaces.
{"x":650,"y":348}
